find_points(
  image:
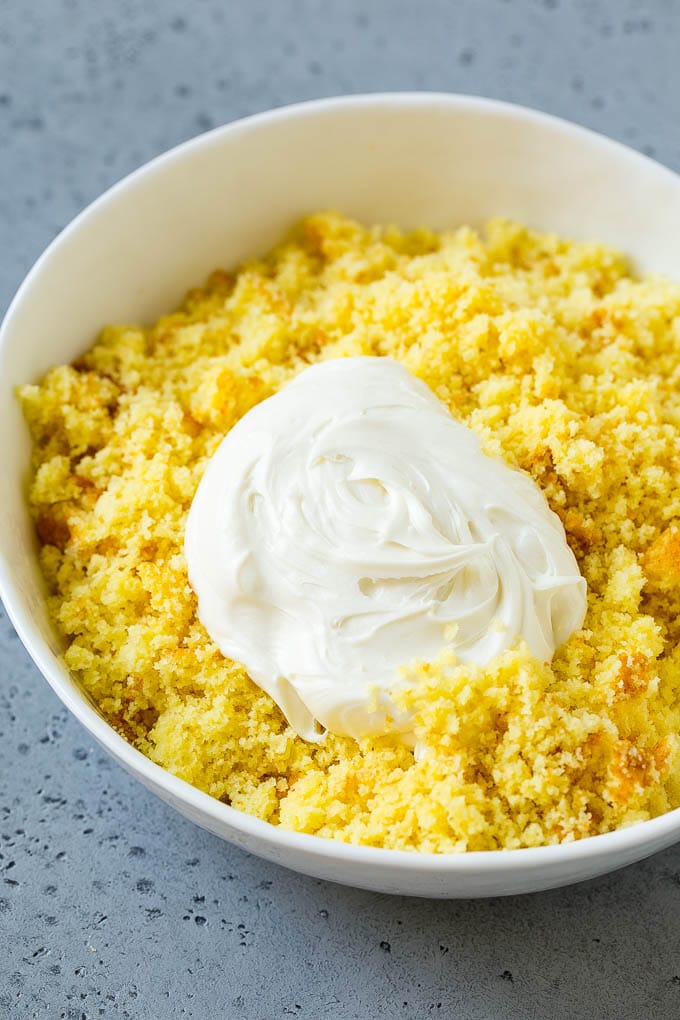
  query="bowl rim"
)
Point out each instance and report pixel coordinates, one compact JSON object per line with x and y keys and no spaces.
{"x":639,"y":835}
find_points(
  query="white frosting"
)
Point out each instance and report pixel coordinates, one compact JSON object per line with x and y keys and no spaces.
{"x":346,"y":523}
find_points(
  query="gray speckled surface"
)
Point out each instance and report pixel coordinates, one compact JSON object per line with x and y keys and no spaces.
{"x":110,"y":904}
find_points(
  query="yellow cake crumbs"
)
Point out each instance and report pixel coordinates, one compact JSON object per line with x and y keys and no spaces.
{"x":561,"y":360}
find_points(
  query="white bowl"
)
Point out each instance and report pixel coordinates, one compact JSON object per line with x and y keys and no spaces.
{"x":437,"y":160}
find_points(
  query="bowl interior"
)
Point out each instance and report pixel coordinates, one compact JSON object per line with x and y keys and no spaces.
{"x":438,"y":161}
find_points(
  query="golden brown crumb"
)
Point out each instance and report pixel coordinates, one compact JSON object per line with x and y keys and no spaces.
{"x":560,"y":360}
{"x":662,"y":558}
{"x":52,"y":529}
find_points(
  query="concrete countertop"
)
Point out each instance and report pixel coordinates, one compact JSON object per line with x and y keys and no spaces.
{"x":111,"y":905}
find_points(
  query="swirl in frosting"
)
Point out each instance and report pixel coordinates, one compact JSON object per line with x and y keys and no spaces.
{"x":349,"y":525}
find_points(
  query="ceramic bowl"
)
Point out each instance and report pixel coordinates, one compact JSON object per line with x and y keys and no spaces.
{"x":411,"y":159}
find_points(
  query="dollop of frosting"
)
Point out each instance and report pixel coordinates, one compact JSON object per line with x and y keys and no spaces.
{"x":348,"y":525}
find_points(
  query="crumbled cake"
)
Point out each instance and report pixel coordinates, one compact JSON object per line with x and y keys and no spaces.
{"x":560,"y":359}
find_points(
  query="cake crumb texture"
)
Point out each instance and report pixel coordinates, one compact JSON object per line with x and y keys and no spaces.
{"x":560,"y":359}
